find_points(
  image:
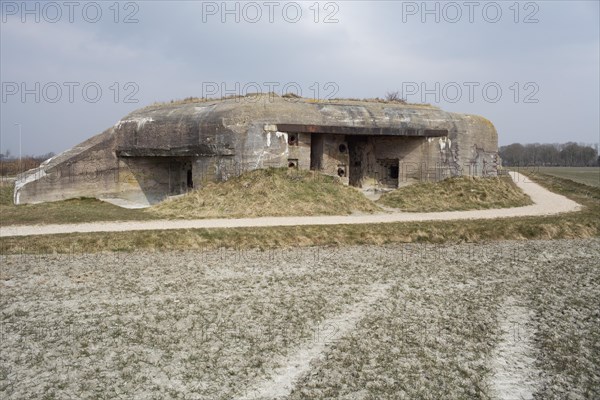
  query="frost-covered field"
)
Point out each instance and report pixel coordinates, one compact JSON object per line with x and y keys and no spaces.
{"x":501,"y":320}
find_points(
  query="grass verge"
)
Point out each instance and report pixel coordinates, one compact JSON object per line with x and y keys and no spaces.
{"x":457,"y":194}
{"x":581,"y":224}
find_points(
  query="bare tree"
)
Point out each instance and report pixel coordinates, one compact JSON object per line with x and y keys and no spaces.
{"x":394,"y":97}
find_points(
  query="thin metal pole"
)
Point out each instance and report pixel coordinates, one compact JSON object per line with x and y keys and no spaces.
{"x":20,"y":148}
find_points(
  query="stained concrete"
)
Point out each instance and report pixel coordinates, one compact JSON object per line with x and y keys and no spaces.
{"x":165,"y":150}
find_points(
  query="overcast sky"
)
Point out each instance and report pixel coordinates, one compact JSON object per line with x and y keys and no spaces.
{"x":533,"y":69}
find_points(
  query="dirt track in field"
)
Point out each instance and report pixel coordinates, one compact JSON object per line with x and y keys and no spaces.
{"x":388,"y":322}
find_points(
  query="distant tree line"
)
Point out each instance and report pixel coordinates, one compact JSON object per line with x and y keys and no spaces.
{"x":10,"y":165}
{"x":559,"y":155}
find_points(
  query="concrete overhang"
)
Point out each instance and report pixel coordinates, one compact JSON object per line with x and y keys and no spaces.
{"x":360,"y":130}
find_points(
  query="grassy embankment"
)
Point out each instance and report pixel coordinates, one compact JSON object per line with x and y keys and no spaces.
{"x":274,"y":192}
{"x":269,"y":192}
{"x":457,"y":194}
{"x":585,"y":223}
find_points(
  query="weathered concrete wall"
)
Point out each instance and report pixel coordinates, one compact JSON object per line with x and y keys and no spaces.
{"x":336,"y":160}
{"x":87,"y":170}
{"x":150,"y":153}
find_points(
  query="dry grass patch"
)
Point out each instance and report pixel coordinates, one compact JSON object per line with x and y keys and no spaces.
{"x":62,"y":212}
{"x":269,"y":192}
{"x":457,"y":194}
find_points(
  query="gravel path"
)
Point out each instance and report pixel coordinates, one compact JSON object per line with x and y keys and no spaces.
{"x":545,"y":203}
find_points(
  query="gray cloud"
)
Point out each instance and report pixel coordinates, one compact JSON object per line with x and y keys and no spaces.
{"x":374,"y":48}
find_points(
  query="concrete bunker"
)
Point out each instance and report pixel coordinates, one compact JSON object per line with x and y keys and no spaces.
{"x":169,"y":149}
